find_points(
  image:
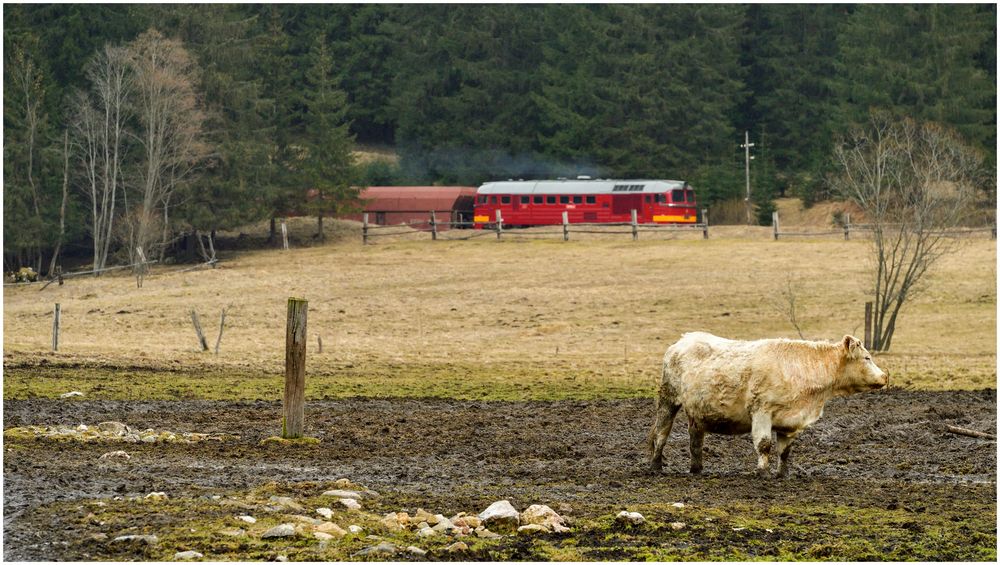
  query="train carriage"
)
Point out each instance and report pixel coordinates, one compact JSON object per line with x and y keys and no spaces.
{"x":537,"y":203}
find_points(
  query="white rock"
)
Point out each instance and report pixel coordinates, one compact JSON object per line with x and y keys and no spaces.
{"x":116,"y":455}
{"x":542,"y":515}
{"x":337,"y":493}
{"x":82,"y":428}
{"x":532,"y":529}
{"x":322,"y":536}
{"x":633,"y":518}
{"x":486,"y":534}
{"x":444,"y":525}
{"x":155,"y":496}
{"x":281,"y":558}
{"x":147,"y":539}
{"x":426,"y":532}
{"x":456,"y":547}
{"x":678,"y":525}
{"x":185,"y":555}
{"x":355,"y":529}
{"x":678,"y":505}
{"x":234,"y":532}
{"x":350,"y":503}
{"x":71,"y":394}
{"x":416,"y":550}
{"x":247,"y":519}
{"x":325,"y":512}
{"x":501,"y":512}
{"x":384,"y":548}
{"x":280,"y":531}
{"x":286,"y":502}
{"x":113,"y":428}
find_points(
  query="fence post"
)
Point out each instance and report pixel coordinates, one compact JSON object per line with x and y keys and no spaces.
{"x":565,"y":226}
{"x":434,"y":229}
{"x":635,"y":225}
{"x":197,"y":329}
{"x":293,"y":419}
{"x":993,"y":235}
{"x":499,"y":224}
{"x":364,"y":228}
{"x":704,"y":219}
{"x":774,"y":220}
{"x":847,"y":227}
{"x":868,"y":325}
{"x":55,"y":327}
{"x":222,"y":326}
{"x":284,"y":235}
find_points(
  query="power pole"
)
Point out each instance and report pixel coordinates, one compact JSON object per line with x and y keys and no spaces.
{"x":746,"y":146}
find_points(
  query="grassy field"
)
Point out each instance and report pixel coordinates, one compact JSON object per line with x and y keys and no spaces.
{"x":518,"y":318}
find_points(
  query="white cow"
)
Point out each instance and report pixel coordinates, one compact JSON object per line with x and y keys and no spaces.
{"x":763,"y":386}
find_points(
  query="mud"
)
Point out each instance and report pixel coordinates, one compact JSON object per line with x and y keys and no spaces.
{"x":885,"y":449}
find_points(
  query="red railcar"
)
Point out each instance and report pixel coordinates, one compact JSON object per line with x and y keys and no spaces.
{"x":535,"y":203}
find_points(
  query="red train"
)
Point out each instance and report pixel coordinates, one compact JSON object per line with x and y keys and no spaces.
{"x":536,"y":203}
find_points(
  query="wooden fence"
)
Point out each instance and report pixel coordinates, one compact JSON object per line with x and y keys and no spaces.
{"x":848,"y":229}
{"x":497,"y":228}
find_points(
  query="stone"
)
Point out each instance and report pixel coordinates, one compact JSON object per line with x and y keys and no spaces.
{"x":384,"y":548}
{"x":633,"y":518}
{"x":425,"y":516}
{"x":233,"y":532}
{"x":458,"y":546}
{"x":533,"y":529}
{"x":501,"y":514}
{"x":678,"y":525}
{"x":350,"y":503}
{"x":565,"y":508}
{"x":113,"y":428}
{"x":305,"y":519}
{"x":426,"y":532}
{"x":322,"y":536}
{"x":146,"y":539}
{"x":444,"y":525}
{"x":156,"y":496}
{"x":280,"y":531}
{"x":71,"y":394}
{"x":391,"y":522}
{"x":486,"y":534}
{"x":286,"y":502}
{"x":247,"y":519}
{"x":330,"y":528}
{"x":325,"y":512}
{"x":187,"y":555}
{"x":542,"y":515}
{"x":355,"y":529}
{"x":281,"y":558}
{"x":100,"y":536}
{"x":403,"y":518}
{"x":414,"y":550}
{"x":82,"y":428}
{"x":116,"y":455}
{"x":678,"y":505}
{"x":472,"y":522}
{"x":343,"y":494}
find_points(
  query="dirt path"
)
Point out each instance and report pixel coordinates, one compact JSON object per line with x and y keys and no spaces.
{"x":874,"y":449}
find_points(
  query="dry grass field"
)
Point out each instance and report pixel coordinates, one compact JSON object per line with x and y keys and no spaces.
{"x":526,"y":317}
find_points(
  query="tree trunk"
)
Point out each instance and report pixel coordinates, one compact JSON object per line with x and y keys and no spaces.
{"x":274,"y":231}
{"x":62,"y":208}
{"x":319,"y":224}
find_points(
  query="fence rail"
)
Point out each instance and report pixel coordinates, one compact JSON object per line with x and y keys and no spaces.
{"x":849,"y":228}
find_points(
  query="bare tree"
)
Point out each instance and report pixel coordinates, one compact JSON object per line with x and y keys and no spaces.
{"x":171,"y":119}
{"x":99,"y":132}
{"x":786,"y":303}
{"x":62,"y":207}
{"x":914,"y":181}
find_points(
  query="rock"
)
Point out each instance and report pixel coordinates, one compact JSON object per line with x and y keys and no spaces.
{"x":186,"y":555}
{"x":633,"y":518}
{"x":457,"y":547}
{"x":425,"y":516}
{"x":542,"y":515}
{"x":414,"y":550}
{"x":82,"y":428}
{"x":247,"y":519}
{"x":565,"y":508}
{"x":330,"y":528}
{"x":678,"y":525}
{"x":325,"y":512}
{"x":146,"y":539}
{"x":350,"y":503}
{"x":354,"y":529}
{"x":444,"y":525}
{"x":678,"y":505}
{"x":147,"y":438}
{"x":391,"y":522}
{"x":426,"y":532}
{"x":71,"y":394}
{"x":157,"y":496}
{"x":343,"y":494}
{"x":469,"y":521}
{"x":281,"y":558}
{"x":501,"y":514}
{"x":100,"y":536}
{"x":286,"y":502}
{"x":116,"y":455}
{"x":233,"y":532}
{"x":384,"y":548}
{"x":280,"y":531}
{"x":533,"y":529}
{"x":560,"y":529}
{"x":403,"y":518}
{"x":305,"y":519}
{"x":486,"y":534}
{"x":322,"y":536}
{"x":113,"y":428}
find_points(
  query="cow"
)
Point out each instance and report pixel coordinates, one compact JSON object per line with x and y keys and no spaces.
{"x":769,"y":385}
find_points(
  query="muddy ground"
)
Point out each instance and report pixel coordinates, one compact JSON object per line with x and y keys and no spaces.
{"x":886,"y":450}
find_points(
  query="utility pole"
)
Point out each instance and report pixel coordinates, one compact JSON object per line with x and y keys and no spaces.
{"x":746,"y":146}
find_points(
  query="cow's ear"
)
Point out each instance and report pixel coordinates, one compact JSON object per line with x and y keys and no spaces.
{"x":851,"y":343}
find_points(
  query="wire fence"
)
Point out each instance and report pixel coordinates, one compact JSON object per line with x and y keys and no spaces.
{"x":847,"y":230}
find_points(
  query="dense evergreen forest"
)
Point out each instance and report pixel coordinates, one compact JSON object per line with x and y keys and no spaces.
{"x":128,"y":126}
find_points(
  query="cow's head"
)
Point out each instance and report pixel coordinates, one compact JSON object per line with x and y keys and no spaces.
{"x":859,"y":371}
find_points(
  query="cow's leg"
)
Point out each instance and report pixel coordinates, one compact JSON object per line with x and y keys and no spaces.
{"x":785,"y":450}
{"x":760,"y":431}
{"x":697,"y":433}
{"x":662,"y":422}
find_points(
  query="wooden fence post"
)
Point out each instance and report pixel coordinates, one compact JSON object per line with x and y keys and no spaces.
{"x":319,"y":344}
{"x":868,"y":326}
{"x":197,"y":329}
{"x":434,"y":229}
{"x":55,"y":327}
{"x":774,"y":221}
{"x":293,"y":419}
{"x":704,"y":221}
{"x":565,"y":226}
{"x":499,"y":224}
{"x":635,"y":225}
{"x":284,"y":235}
{"x":847,"y":227}
{"x":364,"y":228}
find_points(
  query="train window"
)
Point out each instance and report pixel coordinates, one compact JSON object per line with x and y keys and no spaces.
{"x":505,"y":199}
{"x":689,"y":195}
{"x":564,"y":199}
{"x":677,"y":195}
{"x":482,"y":199}
{"x":525,"y":199}
{"x":649,"y":199}
{"x":550,"y":199}
{"x":493,"y":199}
{"x":661,"y":198}
{"x":539,"y":199}
{"x":591,"y":200}
{"x":577,"y":199}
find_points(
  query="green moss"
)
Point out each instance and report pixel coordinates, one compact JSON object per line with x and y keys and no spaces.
{"x":290,"y":441}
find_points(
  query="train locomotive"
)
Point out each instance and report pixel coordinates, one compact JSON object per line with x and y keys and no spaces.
{"x":542,"y":202}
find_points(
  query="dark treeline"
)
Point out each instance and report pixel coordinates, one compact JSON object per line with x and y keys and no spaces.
{"x":257,"y":103}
